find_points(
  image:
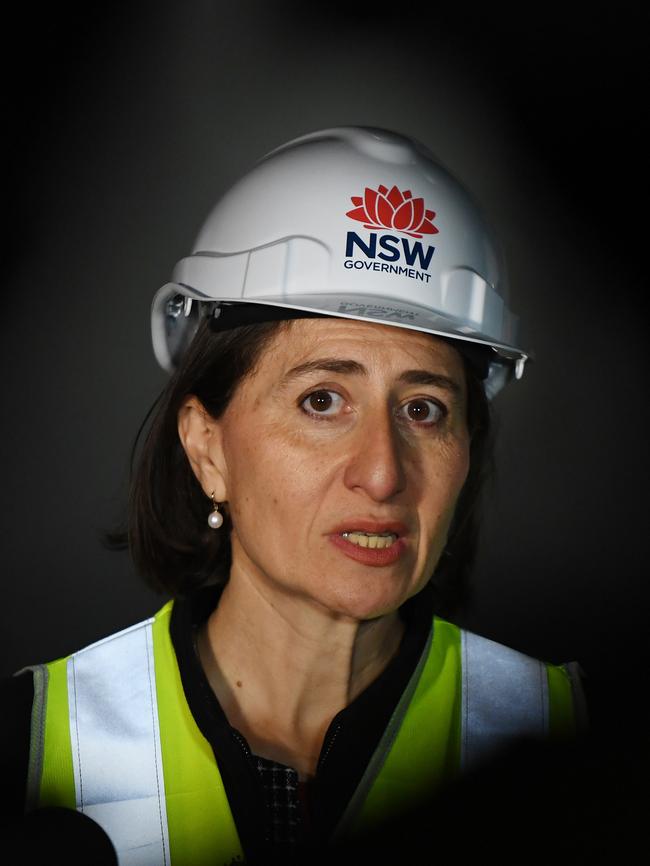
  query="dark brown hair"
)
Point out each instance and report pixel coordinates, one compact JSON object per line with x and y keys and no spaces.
{"x":451,"y":579}
{"x":166,"y":527}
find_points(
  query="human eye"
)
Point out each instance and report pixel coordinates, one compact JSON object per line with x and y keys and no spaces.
{"x":322,"y":403}
{"x":423,"y":410}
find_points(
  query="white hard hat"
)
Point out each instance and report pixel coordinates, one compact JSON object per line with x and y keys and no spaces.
{"x":353,"y":222}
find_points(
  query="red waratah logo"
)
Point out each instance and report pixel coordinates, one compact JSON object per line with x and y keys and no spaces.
{"x":381,"y":209}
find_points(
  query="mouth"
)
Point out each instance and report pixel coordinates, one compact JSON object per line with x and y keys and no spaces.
{"x":372,"y":540}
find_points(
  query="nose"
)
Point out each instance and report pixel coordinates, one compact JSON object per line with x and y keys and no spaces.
{"x":376,"y":465}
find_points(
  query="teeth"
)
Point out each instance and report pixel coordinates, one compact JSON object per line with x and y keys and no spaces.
{"x":371,"y":539}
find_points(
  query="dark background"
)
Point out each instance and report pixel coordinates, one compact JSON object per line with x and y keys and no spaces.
{"x":125,"y":125}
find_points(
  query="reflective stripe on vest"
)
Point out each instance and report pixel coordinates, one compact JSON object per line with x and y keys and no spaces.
{"x":504,"y":695}
{"x":119,"y":742}
{"x":119,"y":779}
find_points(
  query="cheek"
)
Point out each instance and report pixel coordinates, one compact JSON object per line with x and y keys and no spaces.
{"x":443,"y":485}
{"x":460,"y":468}
{"x":445,"y":480}
{"x":272,"y":483}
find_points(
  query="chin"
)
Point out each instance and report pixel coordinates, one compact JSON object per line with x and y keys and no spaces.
{"x":368,"y":598}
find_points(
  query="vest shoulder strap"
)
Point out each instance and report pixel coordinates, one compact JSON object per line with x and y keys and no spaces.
{"x":105,"y":701}
{"x":468,"y":698}
{"x":504,"y":695}
{"x":115,"y":738}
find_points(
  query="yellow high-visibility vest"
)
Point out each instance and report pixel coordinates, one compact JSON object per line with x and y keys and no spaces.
{"x":114,"y":738}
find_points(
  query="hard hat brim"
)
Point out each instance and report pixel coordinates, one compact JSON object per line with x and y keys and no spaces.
{"x":381,"y":310}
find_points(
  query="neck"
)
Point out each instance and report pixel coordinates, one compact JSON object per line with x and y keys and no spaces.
{"x":282,"y":667}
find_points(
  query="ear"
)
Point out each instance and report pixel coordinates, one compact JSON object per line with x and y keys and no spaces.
{"x":200,"y":436}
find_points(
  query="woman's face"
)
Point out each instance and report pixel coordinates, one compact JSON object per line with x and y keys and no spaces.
{"x":344,"y":427}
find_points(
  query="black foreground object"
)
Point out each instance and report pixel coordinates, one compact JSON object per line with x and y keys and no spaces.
{"x":56,"y":835}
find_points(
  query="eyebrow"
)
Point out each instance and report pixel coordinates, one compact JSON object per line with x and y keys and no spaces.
{"x":341,"y":366}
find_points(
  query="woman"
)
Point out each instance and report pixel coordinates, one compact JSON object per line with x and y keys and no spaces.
{"x":305,"y":493}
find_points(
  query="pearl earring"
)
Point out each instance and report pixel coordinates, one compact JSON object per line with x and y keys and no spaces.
{"x":215,"y":518}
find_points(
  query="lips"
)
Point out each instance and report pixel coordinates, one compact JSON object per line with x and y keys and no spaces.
{"x":377,"y":527}
{"x":370,"y":556}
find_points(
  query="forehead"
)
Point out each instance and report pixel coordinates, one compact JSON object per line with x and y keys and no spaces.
{"x":379,"y":347}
